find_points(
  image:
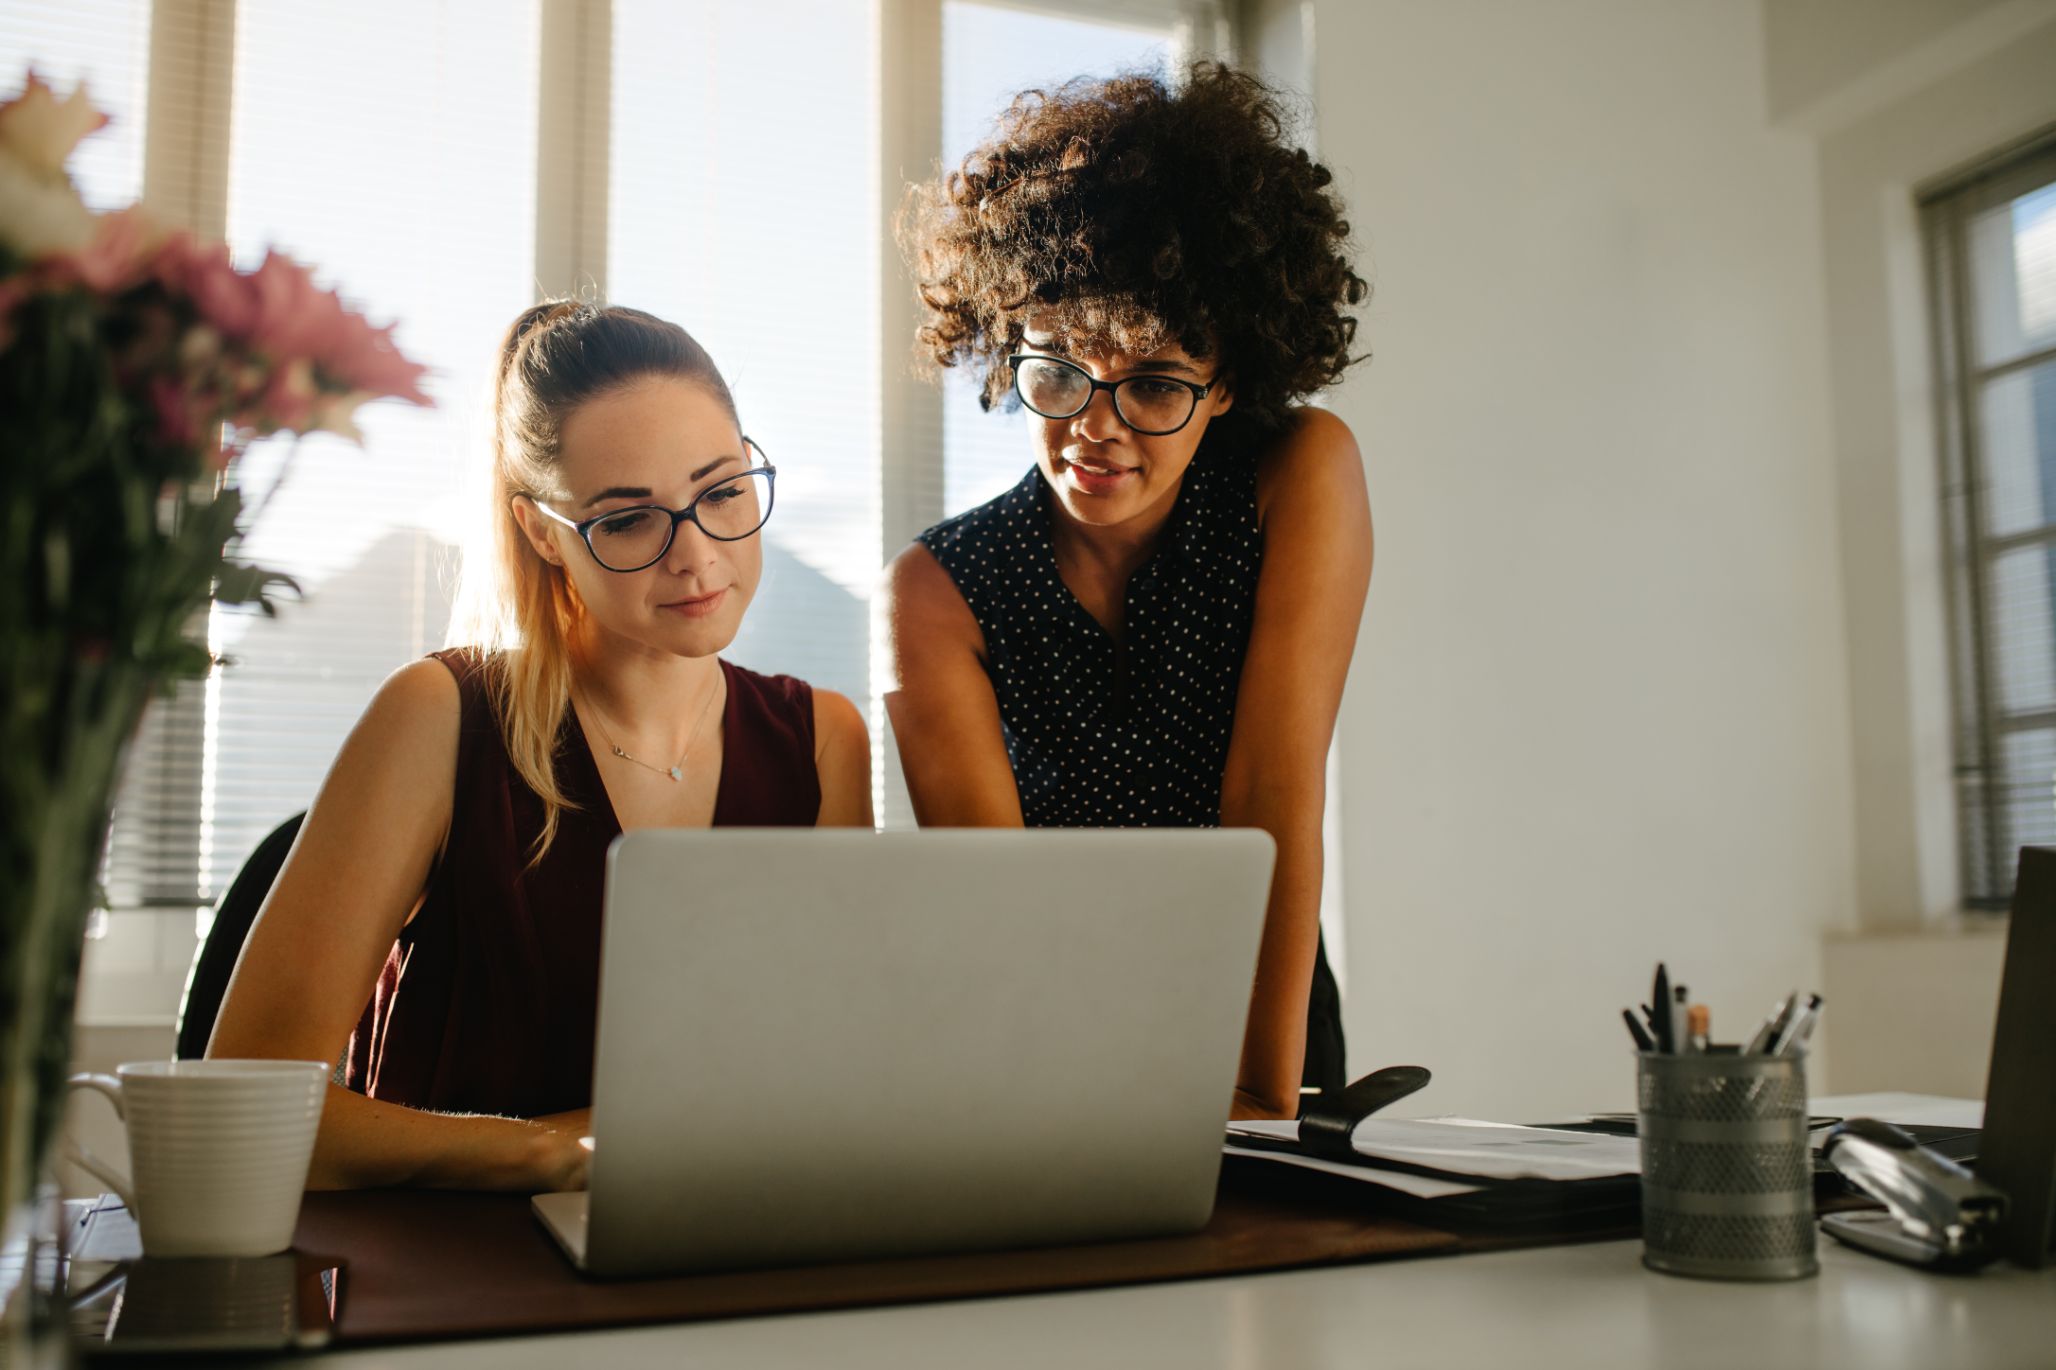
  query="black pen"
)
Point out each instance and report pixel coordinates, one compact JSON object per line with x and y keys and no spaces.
{"x":1661,"y":1002}
{"x":1643,"y":1041}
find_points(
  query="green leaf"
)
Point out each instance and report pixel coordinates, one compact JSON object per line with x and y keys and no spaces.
{"x":241,"y":584}
{"x":183,"y":660}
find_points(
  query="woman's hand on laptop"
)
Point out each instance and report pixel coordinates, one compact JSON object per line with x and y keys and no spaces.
{"x":557,"y":1160}
{"x":562,"y":1162}
{"x":370,"y":1143}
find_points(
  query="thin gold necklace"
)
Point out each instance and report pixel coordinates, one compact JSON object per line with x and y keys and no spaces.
{"x":676,"y":773}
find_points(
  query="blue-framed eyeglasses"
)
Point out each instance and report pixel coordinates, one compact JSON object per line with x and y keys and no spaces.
{"x":729,"y":510}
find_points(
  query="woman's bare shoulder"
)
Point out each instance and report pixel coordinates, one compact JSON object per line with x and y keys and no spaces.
{"x":1314,"y":445}
{"x":916,"y":581}
{"x":406,"y":738}
{"x":923,"y":610}
{"x":838,"y":723}
{"x":420,"y":697}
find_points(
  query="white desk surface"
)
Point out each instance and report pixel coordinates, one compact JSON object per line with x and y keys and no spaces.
{"x":1584,"y":1306}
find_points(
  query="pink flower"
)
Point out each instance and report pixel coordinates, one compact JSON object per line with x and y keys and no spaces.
{"x":283,"y":317}
{"x":366,"y":360}
{"x":293,"y":314}
{"x":120,"y":254}
{"x":296,"y":318}
{"x":193,"y":342}
{"x":203,"y":273}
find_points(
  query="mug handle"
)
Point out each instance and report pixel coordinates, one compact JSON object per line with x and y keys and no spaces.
{"x":85,"y":1160}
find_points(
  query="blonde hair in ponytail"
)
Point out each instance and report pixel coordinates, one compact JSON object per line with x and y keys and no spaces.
{"x":556,"y":356}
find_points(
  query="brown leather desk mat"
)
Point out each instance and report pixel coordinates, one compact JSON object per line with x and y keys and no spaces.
{"x":426,"y":1265}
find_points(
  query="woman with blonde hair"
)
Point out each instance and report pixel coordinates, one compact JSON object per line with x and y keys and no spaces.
{"x":440,"y":911}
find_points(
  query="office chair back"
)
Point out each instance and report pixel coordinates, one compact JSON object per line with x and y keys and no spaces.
{"x":207,"y":981}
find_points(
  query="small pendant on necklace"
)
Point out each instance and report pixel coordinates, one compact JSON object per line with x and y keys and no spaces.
{"x":677,"y":773}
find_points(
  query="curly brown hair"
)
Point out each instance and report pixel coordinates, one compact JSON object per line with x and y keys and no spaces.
{"x":1134,"y":212}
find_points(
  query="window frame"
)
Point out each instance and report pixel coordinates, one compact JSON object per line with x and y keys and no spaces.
{"x":187,"y":150}
{"x":1947,"y":207}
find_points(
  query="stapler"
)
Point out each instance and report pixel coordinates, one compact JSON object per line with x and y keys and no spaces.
{"x":1938,"y":1214}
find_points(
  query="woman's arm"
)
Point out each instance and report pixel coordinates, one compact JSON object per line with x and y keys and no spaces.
{"x":842,"y":759}
{"x":944,"y":714}
{"x":1317,"y":568}
{"x":353,"y":878}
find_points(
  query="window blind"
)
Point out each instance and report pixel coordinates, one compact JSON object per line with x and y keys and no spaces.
{"x":419,"y":202}
{"x":401,"y":161}
{"x":106,"y":44}
{"x":743,"y":206}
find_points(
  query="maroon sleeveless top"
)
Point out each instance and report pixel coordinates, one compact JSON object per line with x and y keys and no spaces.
{"x":489,"y":1001}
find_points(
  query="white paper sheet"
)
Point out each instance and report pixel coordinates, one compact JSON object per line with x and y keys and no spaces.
{"x":1468,"y":1146}
{"x":1276,"y":1129}
{"x":1420,"y":1186}
{"x":1908,"y":1110}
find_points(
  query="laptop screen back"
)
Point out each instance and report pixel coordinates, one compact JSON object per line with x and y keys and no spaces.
{"x":816,"y":1045}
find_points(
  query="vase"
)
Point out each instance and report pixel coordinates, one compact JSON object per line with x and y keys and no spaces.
{"x":77,"y":716}
{"x":33,"y":1335}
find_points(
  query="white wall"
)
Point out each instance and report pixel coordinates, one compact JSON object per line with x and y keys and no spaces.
{"x":1821,"y":56}
{"x":1915,"y":1011}
{"x":1600,"y":710}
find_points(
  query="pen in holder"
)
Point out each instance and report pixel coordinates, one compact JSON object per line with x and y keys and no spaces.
{"x":1727,"y":1172}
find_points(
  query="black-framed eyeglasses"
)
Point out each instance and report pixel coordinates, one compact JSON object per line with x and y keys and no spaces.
{"x":1154,"y":406}
{"x":729,"y":510}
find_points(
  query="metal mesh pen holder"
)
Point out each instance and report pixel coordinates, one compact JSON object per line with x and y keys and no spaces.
{"x":1727,"y":1175}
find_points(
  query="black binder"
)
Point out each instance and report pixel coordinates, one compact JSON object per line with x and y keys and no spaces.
{"x":1328,"y":1123}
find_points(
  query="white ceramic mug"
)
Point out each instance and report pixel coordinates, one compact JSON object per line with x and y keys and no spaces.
{"x":219,"y":1151}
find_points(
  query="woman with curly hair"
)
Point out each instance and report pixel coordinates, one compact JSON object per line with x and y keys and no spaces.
{"x":1154,"y":626}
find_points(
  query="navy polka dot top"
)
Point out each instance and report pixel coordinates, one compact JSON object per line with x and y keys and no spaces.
{"x":1134,"y":733}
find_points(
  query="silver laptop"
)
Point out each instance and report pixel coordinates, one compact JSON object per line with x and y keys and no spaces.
{"x":819,"y":1045}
